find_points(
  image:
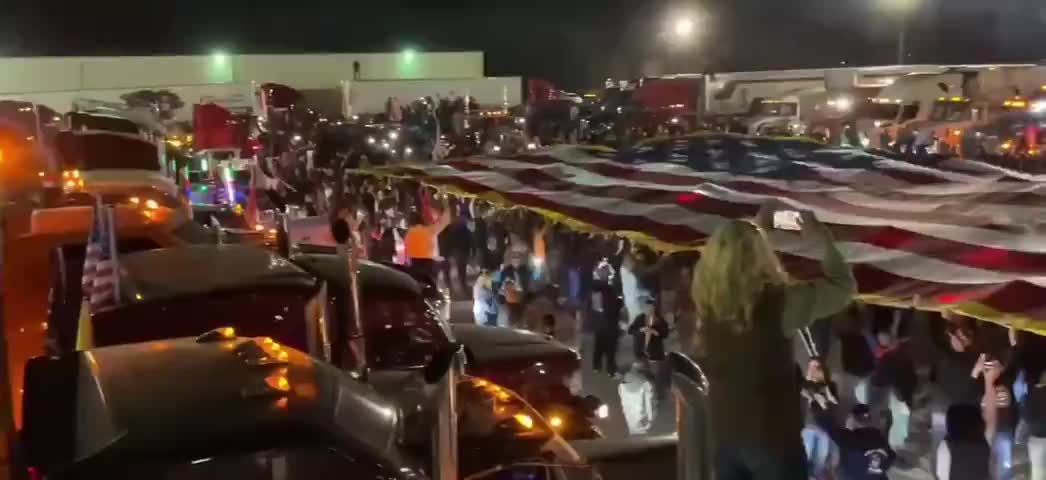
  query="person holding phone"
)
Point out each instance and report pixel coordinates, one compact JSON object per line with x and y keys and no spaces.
{"x":749,"y":309}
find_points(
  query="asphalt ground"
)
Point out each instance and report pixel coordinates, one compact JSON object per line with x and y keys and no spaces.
{"x":572,"y":332}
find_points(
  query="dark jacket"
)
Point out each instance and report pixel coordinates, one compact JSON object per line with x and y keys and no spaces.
{"x":896,"y":369}
{"x":864,"y":453}
{"x":605,"y":320}
{"x":1034,"y":408}
{"x":856,"y":355}
{"x":953,"y":376}
{"x":1030,"y":359}
{"x":970,"y":460}
{"x":654,"y":349}
{"x":456,"y":240}
{"x":952,"y":371}
{"x":754,"y":392}
{"x":383,"y":247}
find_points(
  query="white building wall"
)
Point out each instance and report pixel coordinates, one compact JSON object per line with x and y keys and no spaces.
{"x":56,"y":81}
{"x":18,"y":75}
{"x":25,"y":75}
{"x":62,"y":101}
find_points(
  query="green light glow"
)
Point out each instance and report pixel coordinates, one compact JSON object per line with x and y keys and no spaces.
{"x":408,"y":65}
{"x":220,"y":68}
{"x":220,"y":58}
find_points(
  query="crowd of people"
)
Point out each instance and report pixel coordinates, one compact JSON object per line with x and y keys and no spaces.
{"x":805,"y":382}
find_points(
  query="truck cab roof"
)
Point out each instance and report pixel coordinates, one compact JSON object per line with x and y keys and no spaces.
{"x":184,"y":399}
{"x":190,"y":271}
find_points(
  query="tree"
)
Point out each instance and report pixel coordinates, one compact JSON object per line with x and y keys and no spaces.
{"x":166,"y":102}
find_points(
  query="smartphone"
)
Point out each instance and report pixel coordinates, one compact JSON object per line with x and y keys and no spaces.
{"x":786,"y":220}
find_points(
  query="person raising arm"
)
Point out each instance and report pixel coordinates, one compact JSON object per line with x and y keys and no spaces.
{"x":749,"y":309}
{"x":807,"y":301}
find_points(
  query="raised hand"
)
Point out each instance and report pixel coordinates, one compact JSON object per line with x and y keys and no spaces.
{"x":993,"y":369}
{"x":765,"y":218}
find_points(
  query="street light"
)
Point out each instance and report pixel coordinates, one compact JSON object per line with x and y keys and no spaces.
{"x":680,"y":33}
{"x":683,"y":28}
{"x":900,"y":5}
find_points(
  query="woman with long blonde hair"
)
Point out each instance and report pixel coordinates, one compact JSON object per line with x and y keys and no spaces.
{"x":749,"y":308}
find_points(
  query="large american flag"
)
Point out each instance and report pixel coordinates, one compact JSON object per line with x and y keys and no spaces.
{"x":960,"y":235}
{"x":100,"y":280}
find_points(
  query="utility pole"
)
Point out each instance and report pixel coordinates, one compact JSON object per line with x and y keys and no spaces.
{"x":901,"y":43}
{"x":904,"y":10}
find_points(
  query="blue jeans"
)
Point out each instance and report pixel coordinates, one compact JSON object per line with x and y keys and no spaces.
{"x":1002,"y":451}
{"x":819,"y":449}
{"x":574,"y":287}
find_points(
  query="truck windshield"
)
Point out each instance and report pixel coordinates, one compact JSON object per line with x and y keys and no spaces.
{"x":878,"y":111}
{"x":951,"y":112}
{"x":776,"y":109}
{"x":90,"y":121}
{"x":107,"y":152}
{"x":910,"y":111}
{"x":226,"y":217}
{"x":401,"y":333}
{"x":193,"y":233}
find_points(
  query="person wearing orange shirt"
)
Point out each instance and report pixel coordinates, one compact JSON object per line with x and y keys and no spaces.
{"x":420,"y":243}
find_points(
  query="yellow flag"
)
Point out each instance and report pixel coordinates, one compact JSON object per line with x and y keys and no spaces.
{"x":85,"y":328}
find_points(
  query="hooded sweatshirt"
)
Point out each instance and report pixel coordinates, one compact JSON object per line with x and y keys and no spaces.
{"x":753,"y":370}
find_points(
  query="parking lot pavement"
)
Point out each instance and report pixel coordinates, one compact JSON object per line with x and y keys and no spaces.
{"x":570,"y":332}
{"x":603,"y":386}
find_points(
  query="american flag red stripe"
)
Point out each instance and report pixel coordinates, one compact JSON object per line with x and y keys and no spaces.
{"x":962,"y":235}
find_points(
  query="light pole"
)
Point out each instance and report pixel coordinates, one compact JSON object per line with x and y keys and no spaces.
{"x":903,"y":9}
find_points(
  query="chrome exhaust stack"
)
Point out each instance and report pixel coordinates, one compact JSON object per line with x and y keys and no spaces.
{"x":690,"y":389}
{"x":345,"y":236}
{"x":445,"y":412}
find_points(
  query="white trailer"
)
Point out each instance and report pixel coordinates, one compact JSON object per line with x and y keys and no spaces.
{"x":369,"y":96}
{"x":734,"y":93}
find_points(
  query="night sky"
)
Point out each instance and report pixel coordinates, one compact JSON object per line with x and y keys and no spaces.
{"x":574,"y":43}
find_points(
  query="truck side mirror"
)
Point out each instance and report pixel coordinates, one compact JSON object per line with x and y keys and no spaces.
{"x":595,"y":407}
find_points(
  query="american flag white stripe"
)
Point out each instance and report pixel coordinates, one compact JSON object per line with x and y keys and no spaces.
{"x":99,"y":281}
{"x":937,"y":222}
{"x":850,"y":181}
{"x":892,"y":260}
{"x":965,"y":237}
